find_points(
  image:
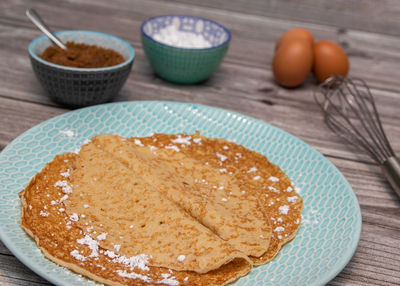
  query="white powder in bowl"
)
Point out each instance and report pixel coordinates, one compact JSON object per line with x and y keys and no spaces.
{"x":170,"y":35}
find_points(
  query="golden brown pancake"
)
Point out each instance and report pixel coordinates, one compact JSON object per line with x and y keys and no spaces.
{"x":209,"y":195}
{"x":63,"y":241}
{"x":165,"y":209}
{"x":255,"y":175}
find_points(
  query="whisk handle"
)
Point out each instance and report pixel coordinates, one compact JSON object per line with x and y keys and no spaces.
{"x":391,"y":170}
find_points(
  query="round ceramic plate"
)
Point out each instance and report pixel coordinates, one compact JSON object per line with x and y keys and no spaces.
{"x":325,"y":242}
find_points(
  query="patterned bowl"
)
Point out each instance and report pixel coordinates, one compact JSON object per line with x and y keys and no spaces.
{"x":185,"y":65}
{"x":76,"y":87}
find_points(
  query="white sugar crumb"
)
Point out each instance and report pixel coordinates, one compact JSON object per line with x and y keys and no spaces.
{"x":74,"y":217}
{"x":173,"y":147}
{"x":243,"y":192}
{"x":53,"y":203}
{"x":279,"y":229}
{"x":86,"y":141}
{"x":66,"y":173}
{"x":221,"y":157}
{"x":280,"y":219}
{"x":224,"y":200}
{"x":292,"y":199}
{"x":85,"y":206}
{"x":91,"y":243}
{"x":133,"y":275}
{"x":223,"y":170}
{"x":297,"y":221}
{"x":110,"y":254}
{"x":117,"y":247}
{"x":138,"y":142}
{"x":181,"y":258}
{"x":45,"y":214}
{"x":275,"y":190}
{"x":239,"y":155}
{"x":69,"y":133}
{"x":75,"y":254}
{"x":63,"y":198}
{"x":289,"y":189}
{"x":273,"y":179}
{"x":64,"y":186}
{"x":279,"y":236}
{"x":61,"y":210}
{"x":221,"y":188}
{"x":182,"y":140}
{"x":256,"y":178}
{"x":102,"y":236}
{"x":139,"y":261}
{"x":252,"y":169}
{"x":131,"y":226}
{"x":197,"y":140}
{"x":225,"y":147}
{"x":186,"y":278}
{"x":168,"y":279}
{"x":283,"y":209}
{"x":30,"y":207}
{"x":297,"y":189}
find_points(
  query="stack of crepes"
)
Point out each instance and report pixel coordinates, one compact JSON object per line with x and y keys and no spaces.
{"x":164,"y":209}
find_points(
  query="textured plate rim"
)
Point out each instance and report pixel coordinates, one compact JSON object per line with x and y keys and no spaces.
{"x":327,"y":276}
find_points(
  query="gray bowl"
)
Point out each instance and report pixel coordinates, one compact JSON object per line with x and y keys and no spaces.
{"x":82,"y":86}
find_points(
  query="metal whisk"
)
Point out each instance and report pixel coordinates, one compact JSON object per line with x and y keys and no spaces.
{"x":350,"y":112}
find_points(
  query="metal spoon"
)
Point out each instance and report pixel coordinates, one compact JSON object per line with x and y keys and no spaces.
{"x":35,"y":18}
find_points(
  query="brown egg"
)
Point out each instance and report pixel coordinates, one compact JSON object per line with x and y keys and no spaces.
{"x":295,"y":34}
{"x":293,"y":62}
{"x":329,"y":59}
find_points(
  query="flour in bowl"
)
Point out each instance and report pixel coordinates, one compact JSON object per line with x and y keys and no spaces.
{"x":170,"y":35}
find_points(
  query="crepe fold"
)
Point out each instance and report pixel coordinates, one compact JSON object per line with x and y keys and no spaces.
{"x":71,"y":231}
{"x":164,"y":209}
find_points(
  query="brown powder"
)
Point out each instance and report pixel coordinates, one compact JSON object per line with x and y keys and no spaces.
{"x":82,"y":56}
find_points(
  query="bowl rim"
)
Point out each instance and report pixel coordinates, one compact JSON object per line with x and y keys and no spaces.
{"x":188,"y":16}
{"x":75,"y":69}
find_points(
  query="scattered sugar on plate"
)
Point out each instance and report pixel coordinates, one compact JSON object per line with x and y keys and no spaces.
{"x":181,"y":258}
{"x":167,"y":279}
{"x":75,"y":254}
{"x":138,"y":142}
{"x":69,"y":133}
{"x":256,"y":178}
{"x":221,"y":157}
{"x":173,"y":147}
{"x":283,"y":209}
{"x":133,"y":275}
{"x":273,"y":179}
{"x":182,"y":140}
{"x":252,"y":169}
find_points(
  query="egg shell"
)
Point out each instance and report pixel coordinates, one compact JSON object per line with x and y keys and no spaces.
{"x":295,"y":34}
{"x":329,"y":59}
{"x":292,"y":63}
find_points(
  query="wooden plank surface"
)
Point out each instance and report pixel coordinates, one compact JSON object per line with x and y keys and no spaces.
{"x":369,"y":33}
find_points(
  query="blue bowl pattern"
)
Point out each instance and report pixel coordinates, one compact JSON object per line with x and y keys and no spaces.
{"x":216,"y":34}
{"x":331,"y":225}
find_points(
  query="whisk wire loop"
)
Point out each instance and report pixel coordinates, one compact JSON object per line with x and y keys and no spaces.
{"x":350,"y":111}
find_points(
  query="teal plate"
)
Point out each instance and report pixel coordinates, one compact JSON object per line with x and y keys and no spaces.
{"x":325,"y":242}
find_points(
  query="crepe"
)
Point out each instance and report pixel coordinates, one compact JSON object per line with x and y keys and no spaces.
{"x":164,"y":209}
{"x":255,"y":174}
{"x":209,"y":195}
{"x":63,"y":240}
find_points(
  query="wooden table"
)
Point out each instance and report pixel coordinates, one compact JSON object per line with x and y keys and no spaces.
{"x":368,"y":31}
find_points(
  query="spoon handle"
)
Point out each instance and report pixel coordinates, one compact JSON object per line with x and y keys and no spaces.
{"x":35,"y":18}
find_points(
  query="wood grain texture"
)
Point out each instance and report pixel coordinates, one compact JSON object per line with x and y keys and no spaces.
{"x":244,"y":83}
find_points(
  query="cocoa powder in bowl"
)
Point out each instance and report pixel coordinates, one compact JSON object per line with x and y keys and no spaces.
{"x":82,"y":56}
